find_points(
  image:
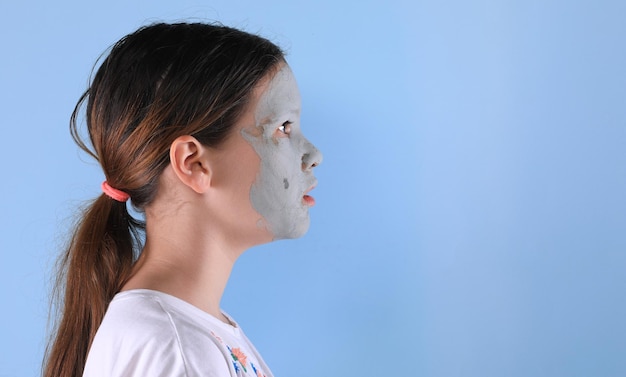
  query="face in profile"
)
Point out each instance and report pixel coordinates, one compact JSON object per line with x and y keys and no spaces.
{"x":285,"y":177}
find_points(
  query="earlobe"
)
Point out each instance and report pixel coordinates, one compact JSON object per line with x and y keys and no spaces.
{"x":190,"y":164}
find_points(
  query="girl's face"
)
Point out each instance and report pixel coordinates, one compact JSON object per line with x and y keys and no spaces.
{"x":279,"y":192}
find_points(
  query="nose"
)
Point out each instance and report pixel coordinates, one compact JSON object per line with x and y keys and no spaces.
{"x":312,"y":157}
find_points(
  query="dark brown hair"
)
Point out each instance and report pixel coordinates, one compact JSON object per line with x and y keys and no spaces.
{"x":158,"y":83}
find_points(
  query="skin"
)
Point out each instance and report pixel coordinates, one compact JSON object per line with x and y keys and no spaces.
{"x":212,"y":204}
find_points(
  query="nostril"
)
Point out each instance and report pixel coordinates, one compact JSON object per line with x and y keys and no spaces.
{"x":312,"y":159}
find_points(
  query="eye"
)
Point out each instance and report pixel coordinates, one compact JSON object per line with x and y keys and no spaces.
{"x":285,"y":128}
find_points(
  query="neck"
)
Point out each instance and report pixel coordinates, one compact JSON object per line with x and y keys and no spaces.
{"x":180,"y":259}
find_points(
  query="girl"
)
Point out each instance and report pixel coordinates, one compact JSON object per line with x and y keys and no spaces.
{"x":199,"y":126}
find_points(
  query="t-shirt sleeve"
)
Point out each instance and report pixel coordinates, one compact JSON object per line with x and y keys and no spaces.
{"x":133,"y":342}
{"x":141,"y":337}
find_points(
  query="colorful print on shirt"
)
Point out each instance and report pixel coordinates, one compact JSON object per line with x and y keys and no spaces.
{"x":240,"y":360}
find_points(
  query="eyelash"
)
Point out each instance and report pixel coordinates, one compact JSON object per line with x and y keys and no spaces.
{"x":285,"y":128}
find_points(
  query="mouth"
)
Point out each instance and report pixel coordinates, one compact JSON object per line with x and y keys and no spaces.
{"x":307,"y":199}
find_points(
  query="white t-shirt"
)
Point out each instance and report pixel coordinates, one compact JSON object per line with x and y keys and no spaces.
{"x":150,"y":333}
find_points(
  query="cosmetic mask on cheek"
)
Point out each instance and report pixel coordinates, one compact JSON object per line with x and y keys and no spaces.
{"x":278,"y":191}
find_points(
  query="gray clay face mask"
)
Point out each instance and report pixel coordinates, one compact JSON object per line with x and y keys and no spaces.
{"x":285,"y":177}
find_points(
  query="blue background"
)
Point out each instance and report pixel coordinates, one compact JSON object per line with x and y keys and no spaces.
{"x":471,"y":216}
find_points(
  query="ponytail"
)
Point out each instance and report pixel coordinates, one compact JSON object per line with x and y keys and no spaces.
{"x":93,"y":269}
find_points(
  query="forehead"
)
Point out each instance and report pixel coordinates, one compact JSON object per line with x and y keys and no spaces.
{"x":280,"y":96}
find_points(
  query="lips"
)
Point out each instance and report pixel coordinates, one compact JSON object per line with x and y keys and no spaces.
{"x":308,"y":199}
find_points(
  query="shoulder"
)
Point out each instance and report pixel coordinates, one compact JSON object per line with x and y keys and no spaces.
{"x":136,"y":320}
{"x":142,"y":334}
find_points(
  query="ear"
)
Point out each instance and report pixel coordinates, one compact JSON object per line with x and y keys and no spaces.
{"x":188,"y":158}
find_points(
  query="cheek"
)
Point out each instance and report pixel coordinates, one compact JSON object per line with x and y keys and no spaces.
{"x":285,"y":171}
{"x":277,"y":192}
{"x":276,"y":174}
{"x":270,"y":180}
{"x":280,"y":182}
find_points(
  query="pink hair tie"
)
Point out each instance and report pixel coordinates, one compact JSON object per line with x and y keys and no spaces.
{"x":114,"y":193}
